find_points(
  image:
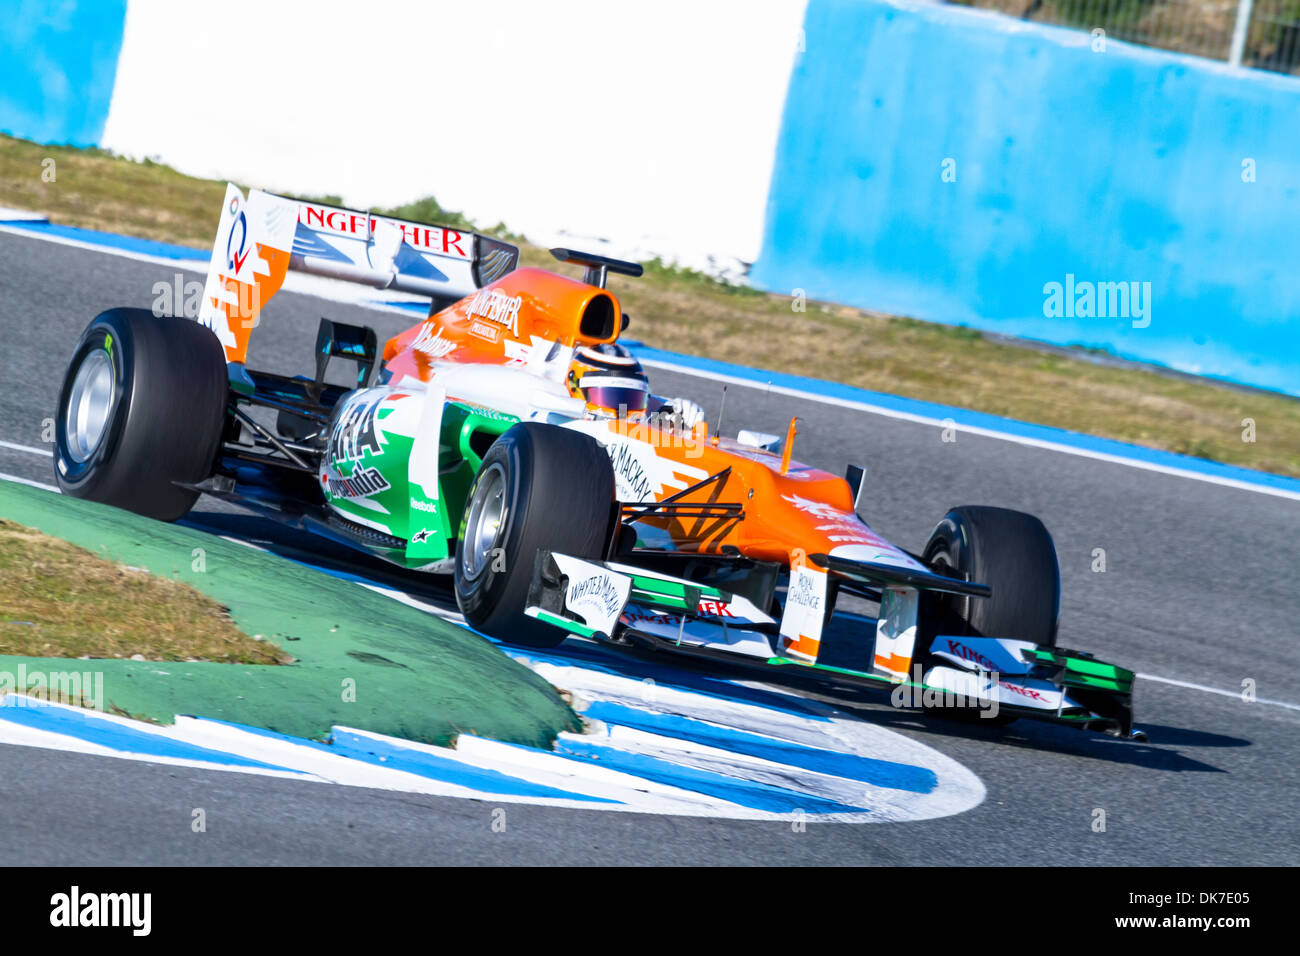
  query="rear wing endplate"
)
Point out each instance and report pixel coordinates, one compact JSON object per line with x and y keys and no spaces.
{"x":261,"y":237}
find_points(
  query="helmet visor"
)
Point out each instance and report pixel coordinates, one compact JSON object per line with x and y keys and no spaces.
{"x":615,"y":392}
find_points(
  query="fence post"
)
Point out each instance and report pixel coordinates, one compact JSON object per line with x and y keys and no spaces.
{"x":1239,"y":31}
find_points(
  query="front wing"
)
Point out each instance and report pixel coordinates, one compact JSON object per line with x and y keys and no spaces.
{"x":624,"y":603}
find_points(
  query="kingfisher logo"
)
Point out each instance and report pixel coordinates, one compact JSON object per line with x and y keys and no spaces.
{"x":345,"y":222}
{"x":970,"y":654}
{"x":714,"y":609}
{"x":496,"y":306}
{"x":1025,"y":692}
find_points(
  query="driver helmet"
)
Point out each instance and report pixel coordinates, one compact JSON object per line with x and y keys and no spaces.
{"x":610,"y":380}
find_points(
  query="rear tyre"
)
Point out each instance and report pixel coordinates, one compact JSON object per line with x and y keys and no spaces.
{"x":539,"y":486}
{"x":142,"y":407}
{"x":1011,"y":552}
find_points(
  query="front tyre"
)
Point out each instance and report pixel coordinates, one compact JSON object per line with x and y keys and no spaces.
{"x":142,"y":408}
{"x":539,"y":487}
{"x":1011,"y":552}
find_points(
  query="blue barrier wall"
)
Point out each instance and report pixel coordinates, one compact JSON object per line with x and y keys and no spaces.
{"x":58,"y":63}
{"x":1122,"y":165}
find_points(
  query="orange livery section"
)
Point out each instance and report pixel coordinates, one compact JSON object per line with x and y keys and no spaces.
{"x":521,"y":308}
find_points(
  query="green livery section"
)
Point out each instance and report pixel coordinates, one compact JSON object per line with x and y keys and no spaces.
{"x":1082,"y":670}
{"x":374,"y":486}
{"x":671,"y":595}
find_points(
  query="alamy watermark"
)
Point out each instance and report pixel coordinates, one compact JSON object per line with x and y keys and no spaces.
{"x":982,"y":694}
{"x":76,"y":908}
{"x":1085,"y":300}
{"x":659,"y":430}
{"x":75,"y":688}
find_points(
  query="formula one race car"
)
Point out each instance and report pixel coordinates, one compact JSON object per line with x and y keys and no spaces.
{"x":510,"y":440}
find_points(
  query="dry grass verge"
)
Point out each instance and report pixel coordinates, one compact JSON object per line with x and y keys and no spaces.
{"x":58,"y":600}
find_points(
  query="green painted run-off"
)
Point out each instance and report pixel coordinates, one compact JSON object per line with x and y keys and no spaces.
{"x":416,"y":676}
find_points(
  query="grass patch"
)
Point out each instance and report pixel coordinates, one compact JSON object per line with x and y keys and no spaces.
{"x":95,"y":190}
{"x":58,"y":600}
{"x":429,"y":209}
{"x":687,"y":311}
{"x":667,"y":274}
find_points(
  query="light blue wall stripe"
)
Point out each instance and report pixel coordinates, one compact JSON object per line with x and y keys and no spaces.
{"x":58,"y":65}
{"x":1114,"y":166}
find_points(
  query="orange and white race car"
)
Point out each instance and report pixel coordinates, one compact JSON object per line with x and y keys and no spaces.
{"x":509,"y":440}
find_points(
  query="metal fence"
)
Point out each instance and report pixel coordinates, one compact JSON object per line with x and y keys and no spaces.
{"x":1264,"y":34}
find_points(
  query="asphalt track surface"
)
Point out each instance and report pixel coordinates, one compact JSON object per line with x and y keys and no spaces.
{"x":1199,"y":587}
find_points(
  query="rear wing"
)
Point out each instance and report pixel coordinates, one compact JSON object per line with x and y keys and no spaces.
{"x":259,"y":239}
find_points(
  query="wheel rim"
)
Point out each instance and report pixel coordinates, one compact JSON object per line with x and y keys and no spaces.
{"x":940,"y":560}
{"x":487,"y":516}
{"x":89,"y":403}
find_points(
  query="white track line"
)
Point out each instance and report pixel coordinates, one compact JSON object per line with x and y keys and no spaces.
{"x":457,"y":619}
{"x":973,"y":429}
{"x":1235,"y":694}
{"x":27,"y":481}
{"x":46,"y":452}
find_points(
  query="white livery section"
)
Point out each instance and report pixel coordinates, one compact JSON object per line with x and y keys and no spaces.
{"x":696,"y":632}
{"x":805,"y":612}
{"x":896,"y":631}
{"x":1023,"y":692}
{"x":382,"y":252}
{"x":595,"y":594}
{"x":640,"y":473}
{"x":999,"y":655}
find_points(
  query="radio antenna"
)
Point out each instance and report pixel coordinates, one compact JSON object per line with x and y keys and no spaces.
{"x":722,"y":407}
